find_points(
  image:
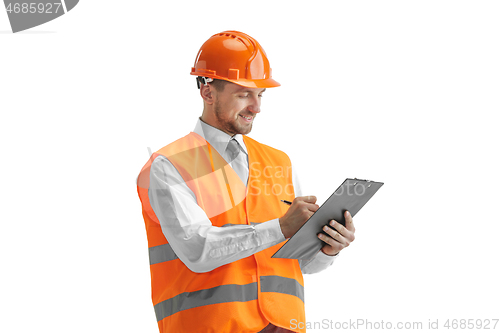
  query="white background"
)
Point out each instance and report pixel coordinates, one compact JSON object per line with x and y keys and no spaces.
{"x":404,"y":92}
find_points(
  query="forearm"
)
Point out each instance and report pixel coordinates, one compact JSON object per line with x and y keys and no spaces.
{"x":197,"y":243}
{"x":209,"y":247}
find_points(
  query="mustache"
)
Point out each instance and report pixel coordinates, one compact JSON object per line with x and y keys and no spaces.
{"x":247,"y":115}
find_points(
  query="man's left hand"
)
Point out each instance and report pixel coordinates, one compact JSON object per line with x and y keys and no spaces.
{"x":337,"y":238}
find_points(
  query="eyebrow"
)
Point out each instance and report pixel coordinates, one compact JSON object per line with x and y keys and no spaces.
{"x":249,"y":91}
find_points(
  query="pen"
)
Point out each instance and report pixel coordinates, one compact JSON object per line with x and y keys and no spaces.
{"x":287,"y":202}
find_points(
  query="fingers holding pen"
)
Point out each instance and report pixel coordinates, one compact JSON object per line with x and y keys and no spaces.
{"x":306,"y":202}
{"x":301,"y":209}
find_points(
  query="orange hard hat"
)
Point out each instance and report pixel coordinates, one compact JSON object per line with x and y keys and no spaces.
{"x":235,"y":57}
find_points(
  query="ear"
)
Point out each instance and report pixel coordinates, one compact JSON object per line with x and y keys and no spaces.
{"x":207,"y":93}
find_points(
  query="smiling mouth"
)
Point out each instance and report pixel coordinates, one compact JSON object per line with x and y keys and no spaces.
{"x":247,"y":118}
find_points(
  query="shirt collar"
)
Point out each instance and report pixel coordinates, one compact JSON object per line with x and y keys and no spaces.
{"x":217,"y":138}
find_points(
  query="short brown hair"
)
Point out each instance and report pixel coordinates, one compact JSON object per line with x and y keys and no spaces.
{"x":219,"y":85}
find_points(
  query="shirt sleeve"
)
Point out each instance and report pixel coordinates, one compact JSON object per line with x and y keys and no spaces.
{"x":201,"y":246}
{"x":321,"y":261}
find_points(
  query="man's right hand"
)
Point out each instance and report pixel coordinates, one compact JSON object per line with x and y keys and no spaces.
{"x":300,"y":211}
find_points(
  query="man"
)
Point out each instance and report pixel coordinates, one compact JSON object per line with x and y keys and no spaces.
{"x":212,"y":203}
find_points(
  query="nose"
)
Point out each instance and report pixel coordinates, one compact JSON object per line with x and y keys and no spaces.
{"x":254,"y":105}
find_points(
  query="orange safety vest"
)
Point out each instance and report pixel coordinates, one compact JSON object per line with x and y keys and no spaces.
{"x":247,"y":294}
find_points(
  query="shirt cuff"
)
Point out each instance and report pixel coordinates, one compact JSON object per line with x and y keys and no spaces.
{"x":270,"y":231}
{"x":325,"y":258}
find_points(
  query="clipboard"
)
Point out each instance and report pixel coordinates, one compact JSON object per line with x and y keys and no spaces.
{"x":352,"y":195}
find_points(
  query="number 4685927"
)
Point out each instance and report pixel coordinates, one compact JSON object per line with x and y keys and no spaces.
{"x":32,"y":8}
{"x":471,"y":324}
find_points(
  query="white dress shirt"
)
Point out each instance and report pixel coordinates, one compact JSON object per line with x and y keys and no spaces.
{"x":201,"y":246}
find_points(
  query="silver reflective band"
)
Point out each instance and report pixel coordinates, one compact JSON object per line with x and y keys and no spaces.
{"x":228,"y":293}
{"x":221,"y":294}
{"x":283,"y":285}
{"x":161,"y":253}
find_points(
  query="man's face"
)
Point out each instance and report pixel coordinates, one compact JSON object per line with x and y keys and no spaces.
{"x":236,"y":107}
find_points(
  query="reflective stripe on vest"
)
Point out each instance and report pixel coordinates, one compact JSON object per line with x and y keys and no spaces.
{"x":228,"y":293}
{"x":161,"y":253}
{"x":282,"y":285}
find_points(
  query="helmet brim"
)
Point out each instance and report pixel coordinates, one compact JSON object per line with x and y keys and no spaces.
{"x":265,"y":83}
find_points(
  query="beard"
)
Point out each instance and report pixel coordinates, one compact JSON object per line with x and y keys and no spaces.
{"x":228,"y":124}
